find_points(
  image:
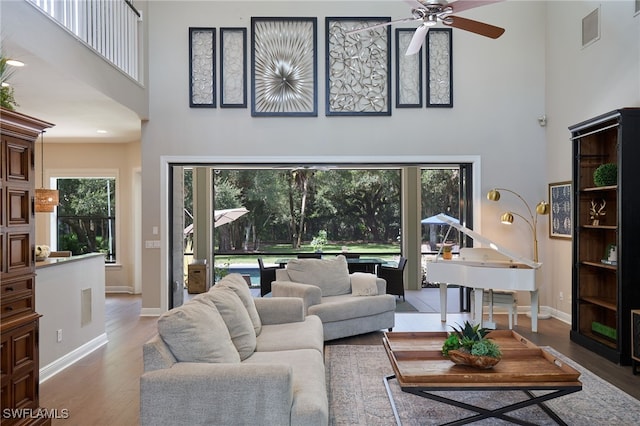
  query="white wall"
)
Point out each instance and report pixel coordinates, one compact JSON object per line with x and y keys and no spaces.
{"x":98,"y":160}
{"x":583,"y":83}
{"x":499,"y":91}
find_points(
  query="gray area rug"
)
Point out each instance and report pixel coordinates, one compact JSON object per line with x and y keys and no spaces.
{"x":404,"y":306}
{"x":357,"y":396}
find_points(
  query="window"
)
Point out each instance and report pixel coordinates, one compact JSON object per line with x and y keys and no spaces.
{"x":86,"y":216}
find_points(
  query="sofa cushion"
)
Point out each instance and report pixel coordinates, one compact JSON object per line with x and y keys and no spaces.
{"x":235,"y":317}
{"x":310,"y":402}
{"x":240,"y":287}
{"x":307,"y":334}
{"x":331,"y":275}
{"x":363,"y":284}
{"x":196,"y":332}
{"x":346,"y":307}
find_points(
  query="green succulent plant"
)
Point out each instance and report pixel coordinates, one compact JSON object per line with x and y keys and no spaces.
{"x":7,"y":99}
{"x":606,"y":174}
{"x":471,"y":338}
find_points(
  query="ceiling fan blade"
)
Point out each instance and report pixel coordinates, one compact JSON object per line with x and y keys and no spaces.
{"x":384,"y":24}
{"x":417,"y":40}
{"x":461,"y":5}
{"x":474,"y":26}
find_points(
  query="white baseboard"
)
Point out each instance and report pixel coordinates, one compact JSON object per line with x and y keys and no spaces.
{"x":119,"y":289}
{"x":150,"y":312}
{"x":75,"y":355}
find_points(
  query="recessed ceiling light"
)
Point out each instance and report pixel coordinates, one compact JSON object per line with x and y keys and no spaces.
{"x":102,"y":132}
{"x":15,"y":63}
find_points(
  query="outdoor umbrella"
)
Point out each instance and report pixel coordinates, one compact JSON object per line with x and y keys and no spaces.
{"x":222,"y":217}
{"x":434,"y":220}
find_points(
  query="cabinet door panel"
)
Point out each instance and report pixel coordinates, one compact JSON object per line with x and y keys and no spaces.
{"x":18,"y":207}
{"x":19,"y":249}
{"x":18,"y":160}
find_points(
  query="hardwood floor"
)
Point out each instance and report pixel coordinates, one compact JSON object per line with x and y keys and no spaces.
{"x":103,"y":388}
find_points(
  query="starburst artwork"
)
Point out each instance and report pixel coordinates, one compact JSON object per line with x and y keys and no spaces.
{"x":284,"y":66}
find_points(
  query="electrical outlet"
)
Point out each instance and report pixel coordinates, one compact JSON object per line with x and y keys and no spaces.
{"x":59,"y":335}
{"x":561,"y":296}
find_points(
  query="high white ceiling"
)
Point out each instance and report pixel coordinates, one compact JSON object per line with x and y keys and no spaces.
{"x":77,"y":110}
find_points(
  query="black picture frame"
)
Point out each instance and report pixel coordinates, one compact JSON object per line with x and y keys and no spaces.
{"x":233,"y":97}
{"x":560,"y":210}
{"x":202,"y":67}
{"x":341,"y":46}
{"x":271,"y":93}
{"x":405,"y":65}
{"x":436,"y":74}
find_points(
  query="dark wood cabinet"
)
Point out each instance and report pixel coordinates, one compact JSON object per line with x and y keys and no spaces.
{"x":19,"y":367}
{"x":606,"y":288}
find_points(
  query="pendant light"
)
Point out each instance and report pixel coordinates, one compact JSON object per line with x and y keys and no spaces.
{"x":45,"y":199}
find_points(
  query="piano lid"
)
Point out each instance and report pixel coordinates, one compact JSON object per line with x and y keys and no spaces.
{"x":483,"y":240}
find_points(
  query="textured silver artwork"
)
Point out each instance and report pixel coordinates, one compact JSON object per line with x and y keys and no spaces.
{"x":202,"y":92}
{"x":358,"y":67}
{"x":408,"y":72}
{"x":284,"y":66}
{"x":233,"y":67}
{"x":439,"y":68}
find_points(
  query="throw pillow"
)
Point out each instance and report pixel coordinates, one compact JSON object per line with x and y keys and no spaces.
{"x":236,"y":318}
{"x":236,"y":283}
{"x":363,"y":284}
{"x":331,"y":275}
{"x":196,"y":332}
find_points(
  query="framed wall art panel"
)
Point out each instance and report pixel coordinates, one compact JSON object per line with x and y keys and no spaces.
{"x":439,"y":68}
{"x":284,"y":67}
{"x":408,"y":71}
{"x":233,"y":67}
{"x":358,"y":66}
{"x":560,"y":210}
{"x":202,"y":67}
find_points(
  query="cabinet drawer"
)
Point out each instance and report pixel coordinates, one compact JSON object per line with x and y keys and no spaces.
{"x":19,"y":306}
{"x":15,"y":289}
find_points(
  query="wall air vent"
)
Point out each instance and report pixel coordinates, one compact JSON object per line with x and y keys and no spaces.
{"x":591,"y":28}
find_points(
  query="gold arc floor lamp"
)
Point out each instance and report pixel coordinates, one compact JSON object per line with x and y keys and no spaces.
{"x":45,"y":199}
{"x":542,"y":208}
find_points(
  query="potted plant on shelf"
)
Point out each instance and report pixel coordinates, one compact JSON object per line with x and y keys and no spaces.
{"x":606,"y":175}
{"x":468,"y":345}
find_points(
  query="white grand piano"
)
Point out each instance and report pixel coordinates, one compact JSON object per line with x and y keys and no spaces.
{"x":490,"y":267}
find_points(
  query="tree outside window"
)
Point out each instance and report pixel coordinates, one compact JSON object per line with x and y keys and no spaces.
{"x":86,"y":219}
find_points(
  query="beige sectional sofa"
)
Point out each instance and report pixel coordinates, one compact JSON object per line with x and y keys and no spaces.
{"x":225,"y":358}
{"x":347,"y":304}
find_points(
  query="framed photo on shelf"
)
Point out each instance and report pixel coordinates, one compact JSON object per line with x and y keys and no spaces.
{"x":560,"y":211}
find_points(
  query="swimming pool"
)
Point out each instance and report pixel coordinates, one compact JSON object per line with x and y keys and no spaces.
{"x":244,"y":269}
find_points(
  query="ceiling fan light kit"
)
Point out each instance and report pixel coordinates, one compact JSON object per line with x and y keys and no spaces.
{"x":431,"y":12}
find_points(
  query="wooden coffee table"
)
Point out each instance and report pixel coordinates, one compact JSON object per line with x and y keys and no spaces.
{"x":420,"y":369}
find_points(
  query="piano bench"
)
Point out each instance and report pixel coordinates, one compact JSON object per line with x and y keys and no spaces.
{"x":501,"y":298}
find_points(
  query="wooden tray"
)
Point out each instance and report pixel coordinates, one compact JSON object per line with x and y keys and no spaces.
{"x":416,"y":358}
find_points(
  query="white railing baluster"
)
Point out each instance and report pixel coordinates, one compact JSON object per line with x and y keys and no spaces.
{"x":110,"y":27}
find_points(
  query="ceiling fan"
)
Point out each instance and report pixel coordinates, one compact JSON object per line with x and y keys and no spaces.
{"x":432,"y":12}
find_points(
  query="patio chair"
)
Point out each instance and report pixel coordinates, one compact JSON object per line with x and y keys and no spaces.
{"x":267,"y":276}
{"x":394,"y":276}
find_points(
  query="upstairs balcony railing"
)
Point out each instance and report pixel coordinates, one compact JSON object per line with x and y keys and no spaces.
{"x":109,"y":27}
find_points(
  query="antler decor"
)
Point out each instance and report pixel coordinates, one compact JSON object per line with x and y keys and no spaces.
{"x":596,"y":211}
